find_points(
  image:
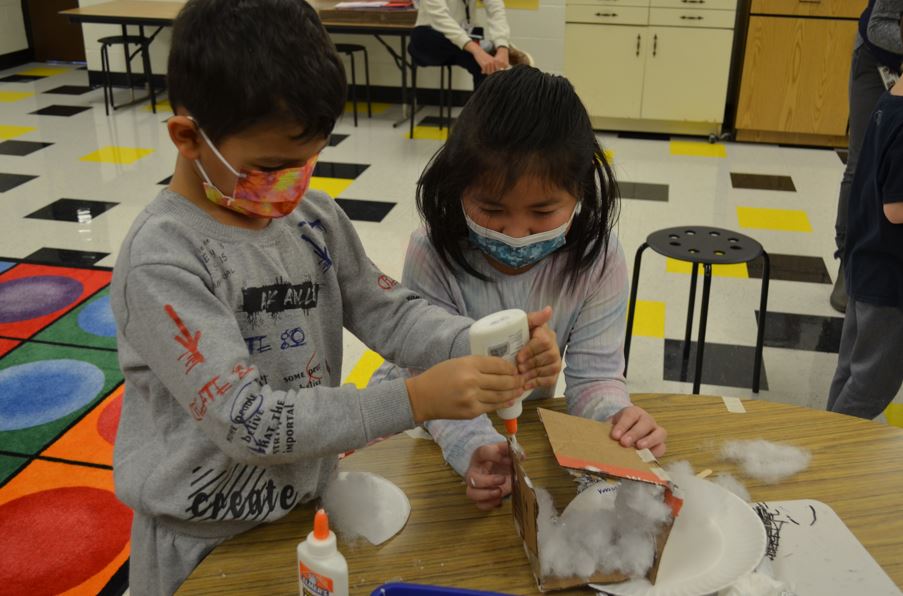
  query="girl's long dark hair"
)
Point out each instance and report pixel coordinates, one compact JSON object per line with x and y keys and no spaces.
{"x":521,"y":121}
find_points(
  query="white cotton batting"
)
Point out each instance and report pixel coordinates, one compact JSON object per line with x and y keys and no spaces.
{"x":728,"y":482}
{"x":680,"y":468}
{"x":581,"y":543}
{"x":766,"y":461}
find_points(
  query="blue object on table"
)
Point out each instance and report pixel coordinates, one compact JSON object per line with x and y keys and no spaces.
{"x":396,"y":589}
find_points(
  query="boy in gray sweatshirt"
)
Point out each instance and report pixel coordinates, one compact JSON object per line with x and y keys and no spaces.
{"x":231,"y":292}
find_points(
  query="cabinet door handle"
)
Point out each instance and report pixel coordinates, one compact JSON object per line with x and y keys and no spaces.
{"x":811,"y":1}
{"x":606,"y":14}
{"x":697,"y":1}
{"x":686,"y":18}
{"x":655,"y":45}
{"x":638,"y":45}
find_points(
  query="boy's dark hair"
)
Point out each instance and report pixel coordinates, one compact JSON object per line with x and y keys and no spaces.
{"x":521,"y":121}
{"x":234,"y":64}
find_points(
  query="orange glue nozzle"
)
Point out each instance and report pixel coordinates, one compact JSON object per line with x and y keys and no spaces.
{"x":321,"y":525}
{"x":511,"y":426}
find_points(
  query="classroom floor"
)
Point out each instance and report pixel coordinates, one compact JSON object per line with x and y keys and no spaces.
{"x":73,"y":179}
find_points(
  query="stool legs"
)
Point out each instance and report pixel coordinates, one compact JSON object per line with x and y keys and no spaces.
{"x":148,"y":73}
{"x":631,"y":306}
{"x":367,"y":80}
{"x":449,"y":97}
{"x":691,"y":307}
{"x":353,"y":89}
{"x":413,"y":96}
{"x":107,"y":86}
{"x":703,"y":316}
{"x":763,"y":311}
{"x":441,"y":97}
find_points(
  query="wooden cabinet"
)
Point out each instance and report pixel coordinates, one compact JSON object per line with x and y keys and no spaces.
{"x":660,"y":67}
{"x":794,"y":85}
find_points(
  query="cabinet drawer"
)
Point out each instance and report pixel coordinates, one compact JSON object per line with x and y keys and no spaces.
{"x":608,"y":3}
{"x":718,"y":4}
{"x":677,"y":17}
{"x":608,"y":15}
{"x":850,"y":9}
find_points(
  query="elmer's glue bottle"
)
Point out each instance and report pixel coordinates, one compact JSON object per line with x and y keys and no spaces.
{"x":502,"y":334}
{"x":322,"y":570}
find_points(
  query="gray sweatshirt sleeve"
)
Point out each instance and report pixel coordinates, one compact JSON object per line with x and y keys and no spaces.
{"x":884,"y":25}
{"x":192,"y":343}
{"x":390,"y":319}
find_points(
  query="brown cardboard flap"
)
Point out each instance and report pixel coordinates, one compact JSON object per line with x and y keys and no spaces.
{"x":584,"y":444}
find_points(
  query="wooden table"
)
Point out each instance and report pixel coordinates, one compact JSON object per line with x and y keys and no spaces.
{"x":378,"y":23}
{"x":857,"y":469}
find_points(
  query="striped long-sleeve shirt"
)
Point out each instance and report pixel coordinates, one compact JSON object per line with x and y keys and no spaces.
{"x":588,"y":319}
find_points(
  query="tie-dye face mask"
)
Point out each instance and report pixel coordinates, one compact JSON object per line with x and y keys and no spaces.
{"x":257,"y":193}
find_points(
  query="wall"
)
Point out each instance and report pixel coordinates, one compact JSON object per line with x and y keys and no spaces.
{"x":539,"y":32}
{"x":12,"y":27}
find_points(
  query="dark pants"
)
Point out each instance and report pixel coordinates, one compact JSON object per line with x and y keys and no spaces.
{"x":868,"y":374}
{"x":866,"y":88}
{"x":428,"y":47}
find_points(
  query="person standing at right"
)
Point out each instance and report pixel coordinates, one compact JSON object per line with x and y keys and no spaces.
{"x":869,"y":372}
{"x":878,"y":43}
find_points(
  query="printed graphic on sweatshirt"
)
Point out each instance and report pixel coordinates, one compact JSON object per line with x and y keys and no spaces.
{"x":264,"y":429}
{"x":240,"y":492}
{"x":214,"y":256}
{"x":275,"y":299}
{"x":188,"y":340}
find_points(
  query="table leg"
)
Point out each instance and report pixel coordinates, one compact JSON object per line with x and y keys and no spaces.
{"x":703,"y":317}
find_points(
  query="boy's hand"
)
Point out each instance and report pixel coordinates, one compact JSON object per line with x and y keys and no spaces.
{"x":489,"y":476}
{"x":540,"y":361}
{"x":635,"y":427}
{"x":464,"y":388}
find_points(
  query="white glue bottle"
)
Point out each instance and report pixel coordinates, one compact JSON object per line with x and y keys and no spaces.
{"x":502,"y":334}
{"x":322,"y":570}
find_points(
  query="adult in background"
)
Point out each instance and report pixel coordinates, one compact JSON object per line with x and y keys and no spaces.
{"x":445,"y":34}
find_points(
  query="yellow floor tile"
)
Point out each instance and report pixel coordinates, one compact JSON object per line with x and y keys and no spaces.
{"x":43,"y":72}
{"x":376,"y":107}
{"x":331,"y":186}
{"x":894,"y":415}
{"x":11,"y":96}
{"x":649,"y":320}
{"x":364,"y":369}
{"x":11,"y":132}
{"x":163,"y":105}
{"x":786,"y":220}
{"x":120,"y":155}
{"x":739,"y":270}
{"x":696,"y":149}
{"x":430,"y":133}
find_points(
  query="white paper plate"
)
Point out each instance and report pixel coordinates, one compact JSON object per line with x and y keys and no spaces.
{"x":716,"y":539}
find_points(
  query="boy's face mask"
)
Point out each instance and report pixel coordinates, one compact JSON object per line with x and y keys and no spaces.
{"x":257,"y":193}
{"x":519,"y":252}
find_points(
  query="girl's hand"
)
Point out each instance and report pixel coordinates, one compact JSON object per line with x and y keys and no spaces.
{"x":540,"y":361}
{"x":489,"y":475}
{"x":463,"y":388}
{"x":635,"y":427}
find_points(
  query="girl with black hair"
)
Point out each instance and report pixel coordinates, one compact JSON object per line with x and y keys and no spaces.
{"x":518,"y":208}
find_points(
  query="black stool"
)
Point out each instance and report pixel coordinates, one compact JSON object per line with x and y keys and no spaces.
{"x":704,"y":246}
{"x":125,"y":41}
{"x":445,"y":96}
{"x":349,"y":49}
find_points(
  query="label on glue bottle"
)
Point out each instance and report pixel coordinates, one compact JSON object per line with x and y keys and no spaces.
{"x":312,"y":583}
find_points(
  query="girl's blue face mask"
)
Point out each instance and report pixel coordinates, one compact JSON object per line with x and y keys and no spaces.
{"x":519,"y":252}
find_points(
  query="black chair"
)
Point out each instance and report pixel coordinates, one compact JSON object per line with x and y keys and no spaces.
{"x":350,"y":49}
{"x":445,"y":94}
{"x":143,"y":44}
{"x":704,"y":246}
